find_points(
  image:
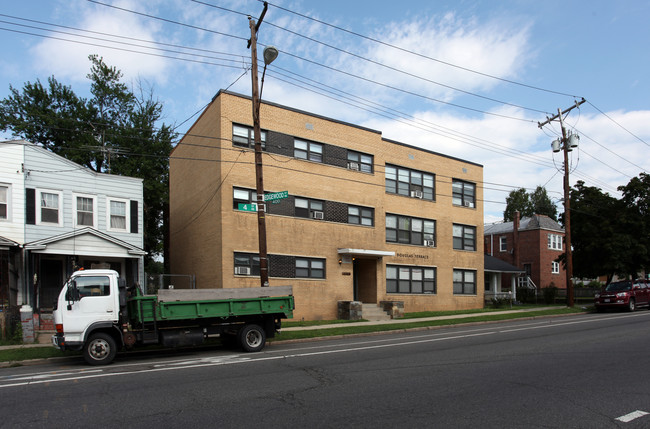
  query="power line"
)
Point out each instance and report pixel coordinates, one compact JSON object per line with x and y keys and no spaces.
{"x":421,"y":55}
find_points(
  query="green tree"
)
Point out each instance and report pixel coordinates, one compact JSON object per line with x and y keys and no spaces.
{"x":517,"y":201}
{"x":529,"y":204}
{"x":542,"y":204}
{"x":636,"y":198}
{"x":115,"y":129}
{"x":603,"y":234}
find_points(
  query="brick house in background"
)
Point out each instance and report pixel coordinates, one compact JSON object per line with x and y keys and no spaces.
{"x":532,"y":244}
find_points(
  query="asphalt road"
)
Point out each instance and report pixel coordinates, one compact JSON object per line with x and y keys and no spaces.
{"x":584,"y":371}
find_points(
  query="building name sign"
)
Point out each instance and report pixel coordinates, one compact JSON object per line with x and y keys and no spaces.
{"x":411,"y":255}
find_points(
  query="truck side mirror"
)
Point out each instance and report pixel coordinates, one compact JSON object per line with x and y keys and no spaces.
{"x":72,"y":294}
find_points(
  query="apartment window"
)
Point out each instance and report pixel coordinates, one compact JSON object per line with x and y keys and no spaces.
{"x":463,"y":193}
{"x":554,"y":241}
{"x":243,"y":196}
{"x":416,"y":280}
{"x":464,"y":282}
{"x":247,"y":264}
{"x":410,"y":230}
{"x":308,"y":150}
{"x":84,"y":210}
{"x":464,"y":237}
{"x":361,"y":215}
{"x":309,"y":208}
{"x":4,"y":202}
{"x":244,"y":136}
{"x":360,"y":161}
{"x":310,"y":268}
{"x":118,"y":217}
{"x":555,"y":267}
{"x":503,"y":244}
{"x":50,"y":207}
{"x":410,"y":183}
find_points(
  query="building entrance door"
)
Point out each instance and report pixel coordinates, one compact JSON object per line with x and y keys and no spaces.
{"x":364,"y":272}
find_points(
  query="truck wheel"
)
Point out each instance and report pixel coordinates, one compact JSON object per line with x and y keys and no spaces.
{"x":100,"y":349}
{"x":252,"y":338}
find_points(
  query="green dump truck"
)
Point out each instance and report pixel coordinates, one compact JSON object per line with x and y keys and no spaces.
{"x":97,"y":313}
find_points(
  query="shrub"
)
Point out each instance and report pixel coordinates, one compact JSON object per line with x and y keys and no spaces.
{"x":526,"y":295}
{"x":550,"y":293}
{"x":501,"y":302}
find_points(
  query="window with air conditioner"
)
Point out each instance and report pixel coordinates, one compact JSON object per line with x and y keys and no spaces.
{"x":360,"y":161}
{"x":410,"y":183}
{"x":409,"y":230}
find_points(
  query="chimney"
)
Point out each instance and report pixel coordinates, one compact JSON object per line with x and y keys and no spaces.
{"x":515,"y":240}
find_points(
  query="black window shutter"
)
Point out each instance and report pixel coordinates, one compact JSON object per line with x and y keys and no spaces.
{"x":134,"y":217}
{"x":30,"y":206}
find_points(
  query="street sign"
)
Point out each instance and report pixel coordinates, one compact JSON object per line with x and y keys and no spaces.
{"x":247,"y":207}
{"x":276,"y":196}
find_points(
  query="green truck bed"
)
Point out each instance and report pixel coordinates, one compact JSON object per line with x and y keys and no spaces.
{"x":171,"y":305}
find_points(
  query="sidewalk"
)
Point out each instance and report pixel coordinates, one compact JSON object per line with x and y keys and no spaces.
{"x":422,"y":319}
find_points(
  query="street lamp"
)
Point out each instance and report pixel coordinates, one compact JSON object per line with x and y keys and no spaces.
{"x":270,"y":54}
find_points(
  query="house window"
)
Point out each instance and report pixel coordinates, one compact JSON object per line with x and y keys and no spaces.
{"x":247,"y":264}
{"x":360,"y":161}
{"x":84,"y":210}
{"x":410,"y":230}
{"x":463,"y":193}
{"x":464,"y":237}
{"x":118,"y":216}
{"x":410,"y":183}
{"x":554,"y":241}
{"x":361,"y":215}
{"x":244,"y":136}
{"x":416,"y":280}
{"x":310,"y":268}
{"x":555,"y":267}
{"x":464,"y":282}
{"x":50,"y":207}
{"x":503,"y":244}
{"x":309,"y":208}
{"x":308,"y":150}
{"x":4,"y":202}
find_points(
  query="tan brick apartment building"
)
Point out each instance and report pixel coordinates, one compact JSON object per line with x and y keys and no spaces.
{"x":367,"y":219}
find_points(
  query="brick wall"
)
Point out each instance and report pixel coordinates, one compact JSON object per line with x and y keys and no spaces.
{"x":206,"y":230}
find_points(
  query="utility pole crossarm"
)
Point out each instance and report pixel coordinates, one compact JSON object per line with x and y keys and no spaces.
{"x":549,"y":120}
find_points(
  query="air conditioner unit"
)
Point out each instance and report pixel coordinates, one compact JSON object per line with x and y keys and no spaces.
{"x":317,"y":215}
{"x":429,"y":243}
{"x":416,"y":194}
{"x":469,"y":204}
{"x":353,"y":166}
{"x":242,"y":271}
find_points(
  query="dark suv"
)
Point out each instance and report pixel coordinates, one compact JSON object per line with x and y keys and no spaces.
{"x":625,"y":294}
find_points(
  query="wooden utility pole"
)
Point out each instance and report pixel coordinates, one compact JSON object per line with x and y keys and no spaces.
{"x":567,"y":201}
{"x":259,"y":177}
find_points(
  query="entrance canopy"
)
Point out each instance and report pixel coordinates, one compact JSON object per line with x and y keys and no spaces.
{"x":365,"y":252}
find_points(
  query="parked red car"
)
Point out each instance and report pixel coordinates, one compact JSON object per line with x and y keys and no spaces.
{"x":625,"y":294}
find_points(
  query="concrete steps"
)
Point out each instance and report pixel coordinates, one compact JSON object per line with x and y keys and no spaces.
{"x":373,"y":312}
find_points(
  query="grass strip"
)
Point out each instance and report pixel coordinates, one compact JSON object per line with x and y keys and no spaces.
{"x":26,"y":353}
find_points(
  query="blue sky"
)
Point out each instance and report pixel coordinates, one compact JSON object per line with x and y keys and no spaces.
{"x":470,"y":79}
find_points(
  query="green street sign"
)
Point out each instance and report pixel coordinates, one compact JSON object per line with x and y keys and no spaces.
{"x":247,"y":207}
{"x":276,"y":196}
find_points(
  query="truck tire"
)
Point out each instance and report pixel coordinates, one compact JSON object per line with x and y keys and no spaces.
{"x":252,"y":338}
{"x":100,"y":349}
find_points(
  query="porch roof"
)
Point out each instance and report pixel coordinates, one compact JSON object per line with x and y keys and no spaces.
{"x":495,"y":265}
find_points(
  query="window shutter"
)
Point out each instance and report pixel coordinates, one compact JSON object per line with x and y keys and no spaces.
{"x":30,"y":206}
{"x":134,"y":217}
